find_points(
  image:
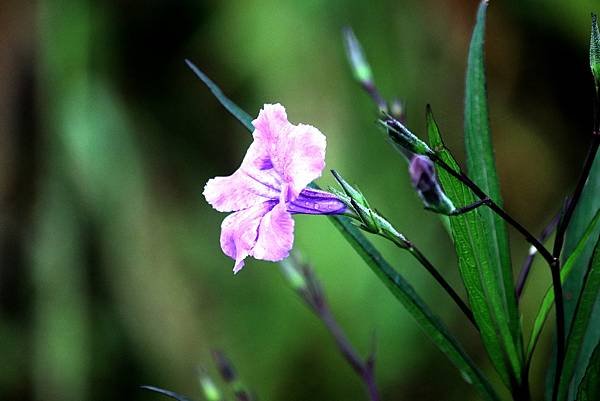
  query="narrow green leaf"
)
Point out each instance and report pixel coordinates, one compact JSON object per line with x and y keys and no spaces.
{"x":548,"y":299}
{"x":482,"y":169}
{"x":400,"y":288}
{"x":473,"y":259}
{"x":589,"y":389}
{"x":581,"y":320}
{"x":231,"y":107}
{"x":589,"y":203}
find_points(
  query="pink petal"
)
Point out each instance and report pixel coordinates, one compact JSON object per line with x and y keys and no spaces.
{"x":275,"y":235}
{"x":249,"y":185}
{"x":239,"y":232}
{"x":297,"y":152}
{"x":271,"y":124}
{"x":300,"y":157}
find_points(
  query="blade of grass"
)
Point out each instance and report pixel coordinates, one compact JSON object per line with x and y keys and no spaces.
{"x":548,"y":299}
{"x":481,"y":167}
{"x":398,"y":286}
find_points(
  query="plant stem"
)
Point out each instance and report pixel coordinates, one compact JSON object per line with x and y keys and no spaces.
{"x":560,"y":325}
{"x":524,"y":273}
{"x":587,"y":167}
{"x":440,"y":279}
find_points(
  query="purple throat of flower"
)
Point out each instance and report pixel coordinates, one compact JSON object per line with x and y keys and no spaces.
{"x":269,"y":187}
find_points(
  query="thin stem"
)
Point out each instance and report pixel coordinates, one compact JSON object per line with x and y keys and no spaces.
{"x":587,"y":167}
{"x":495,"y":207}
{"x":440,"y":279}
{"x":524,"y":273}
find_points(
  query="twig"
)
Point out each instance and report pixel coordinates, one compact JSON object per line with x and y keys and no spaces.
{"x":524,"y":273}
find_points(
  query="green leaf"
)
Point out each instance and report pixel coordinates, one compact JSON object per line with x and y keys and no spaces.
{"x":548,"y":299}
{"x":581,"y":321}
{"x":474,"y":262}
{"x":482,"y":170}
{"x":595,"y":50}
{"x":231,"y":107}
{"x":399,"y":287}
{"x":589,"y":389}
{"x":589,"y":203}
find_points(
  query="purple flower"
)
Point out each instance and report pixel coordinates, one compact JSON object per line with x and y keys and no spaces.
{"x":270,"y":186}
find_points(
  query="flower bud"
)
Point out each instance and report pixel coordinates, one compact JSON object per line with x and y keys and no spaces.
{"x":209,"y":388}
{"x":293,"y":274}
{"x":360,"y":67}
{"x":403,"y":139}
{"x":595,"y":51}
{"x":424,"y":180}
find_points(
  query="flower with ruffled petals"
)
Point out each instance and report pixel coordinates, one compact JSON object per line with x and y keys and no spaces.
{"x":270,"y":186}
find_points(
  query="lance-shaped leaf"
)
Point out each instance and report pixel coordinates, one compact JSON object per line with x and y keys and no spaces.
{"x":589,"y":389}
{"x":470,"y":241}
{"x":398,"y":286}
{"x":482,"y":170}
{"x":580,"y":326}
{"x":548,"y":299}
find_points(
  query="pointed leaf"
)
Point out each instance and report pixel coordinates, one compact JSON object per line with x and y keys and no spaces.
{"x":548,"y":299}
{"x":474,"y":262}
{"x":482,"y":170}
{"x":589,"y":203}
{"x":231,"y":107}
{"x":580,"y":326}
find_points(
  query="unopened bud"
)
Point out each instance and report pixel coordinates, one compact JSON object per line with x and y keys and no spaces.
{"x":403,"y":139}
{"x":360,"y":67}
{"x":209,"y":388}
{"x":224,"y":366}
{"x":424,"y":180}
{"x":595,"y":51}
{"x":293,"y":274}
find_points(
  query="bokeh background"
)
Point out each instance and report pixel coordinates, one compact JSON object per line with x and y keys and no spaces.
{"x":111,"y":274}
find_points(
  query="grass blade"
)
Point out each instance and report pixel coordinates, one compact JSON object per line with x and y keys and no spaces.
{"x":399,"y":287}
{"x":548,"y":299}
{"x":581,"y":321}
{"x":499,"y":285}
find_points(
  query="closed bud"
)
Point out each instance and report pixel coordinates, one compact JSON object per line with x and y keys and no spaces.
{"x":209,"y":388}
{"x":595,"y":51}
{"x":403,"y":139}
{"x":293,"y":274}
{"x":424,"y":180}
{"x":360,"y":67}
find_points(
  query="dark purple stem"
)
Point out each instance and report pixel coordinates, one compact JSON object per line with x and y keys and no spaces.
{"x":524,"y":273}
{"x":313,"y":295}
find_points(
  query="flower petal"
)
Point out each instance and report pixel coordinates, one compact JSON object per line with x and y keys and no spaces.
{"x":297,"y":152}
{"x":254,"y":182}
{"x":275,"y":235}
{"x":300,"y":157}
{"x":239,"y":232}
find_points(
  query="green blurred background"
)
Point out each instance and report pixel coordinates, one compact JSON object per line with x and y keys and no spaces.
{"x":111,"y":273}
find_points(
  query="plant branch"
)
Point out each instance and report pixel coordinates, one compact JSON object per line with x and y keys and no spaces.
{"x":524,"y":273}
{"x":417,"y":254}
